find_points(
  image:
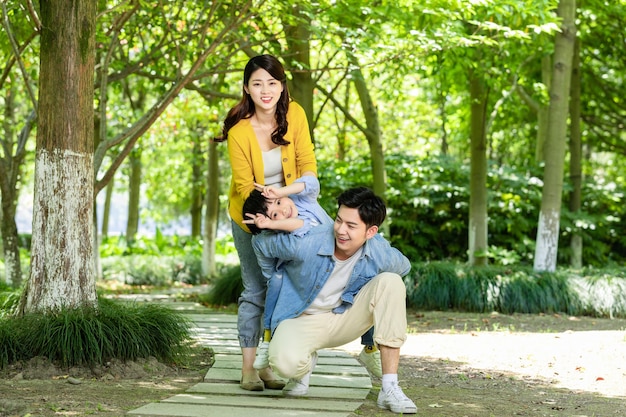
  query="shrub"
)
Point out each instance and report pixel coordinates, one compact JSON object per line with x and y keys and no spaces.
{"x":519,"y":289}
{"x":94,"y":336}
{"x":428,"y":201}
{"x":150,"y":270}
{"x":226,"y":289}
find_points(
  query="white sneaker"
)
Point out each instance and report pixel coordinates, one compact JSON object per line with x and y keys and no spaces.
{"x":396,"y":401}
{"x":262,"y":359}
{"x":372,"y":362}
{"x":300,"y":387}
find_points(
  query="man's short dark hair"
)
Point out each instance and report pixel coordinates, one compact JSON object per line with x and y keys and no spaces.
{"x":254,"y":204}
{"x":372,"y":208}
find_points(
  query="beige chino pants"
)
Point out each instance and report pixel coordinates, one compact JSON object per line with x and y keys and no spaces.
{"x":381,"y":302}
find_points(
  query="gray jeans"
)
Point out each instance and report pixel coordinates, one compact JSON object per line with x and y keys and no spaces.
{"x":252,"y":299}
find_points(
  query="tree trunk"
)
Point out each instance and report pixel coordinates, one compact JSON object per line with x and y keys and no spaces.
{"x":10,"y":242}
{"x":297,"y":37}
{"x":106,"y":211}
{"x":134,"y":194}
{"x":211,"y":213}
{"x":342,"y":130}
{"x":575,"y":167}
{"x":9,"y":174}
{"x":549,"y":217}
{"x":478,"y":172}
{"x":1,"y":240}
{"x":197,"y":185}
{"x":543,"y":110}
{"x":441,"y":89}
{"x":62,"y":258}
{"x":373,"y":135}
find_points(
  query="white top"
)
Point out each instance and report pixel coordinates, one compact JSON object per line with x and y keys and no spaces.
{"x":330,"y":294}
{"x":273,"y":168}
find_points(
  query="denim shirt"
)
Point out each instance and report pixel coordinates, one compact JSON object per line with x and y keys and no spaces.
{"x":307,"y":262}
{"x":309,"y":209}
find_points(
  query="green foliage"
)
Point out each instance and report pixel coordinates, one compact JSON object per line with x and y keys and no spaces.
{"x":603,"y":291}
{"x":90,"y":336}
{"x":226,"y":289}
{"x":10,"y":347}
{"x":428,"y":209}
{"x":156,"y":261}
{"x":449,"y":286}
{"x":600,"y":222}
{"x":157,"y":271}
{"x":528,"y":292}
{"x":9,"y":299}
{"x":158,"y":245}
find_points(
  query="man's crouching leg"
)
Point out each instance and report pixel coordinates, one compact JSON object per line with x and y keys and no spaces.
{"x":292,"y":353}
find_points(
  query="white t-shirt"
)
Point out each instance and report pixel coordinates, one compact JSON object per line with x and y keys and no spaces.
{"x":330,"y":295}
{"x":273,"y":168}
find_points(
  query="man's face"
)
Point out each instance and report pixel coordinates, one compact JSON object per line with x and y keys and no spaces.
{"x":281,"y":208}
{"x":350,"y":232}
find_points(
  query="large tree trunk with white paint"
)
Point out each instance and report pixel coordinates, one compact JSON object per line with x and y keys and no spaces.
{"x":554,"y":149}
{"x":62,"y":258}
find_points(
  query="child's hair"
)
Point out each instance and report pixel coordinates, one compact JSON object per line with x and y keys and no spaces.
{"x":255,"y":204}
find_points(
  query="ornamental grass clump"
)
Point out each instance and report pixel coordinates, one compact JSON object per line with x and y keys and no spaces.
{"x":75,"y":337}
{"x":515,"y":289}
{"x":226,"y":289}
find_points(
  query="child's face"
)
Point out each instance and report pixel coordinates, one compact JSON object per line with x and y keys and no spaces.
{"x":281,"y":208}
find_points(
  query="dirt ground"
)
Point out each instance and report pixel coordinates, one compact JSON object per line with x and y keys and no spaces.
{"x":477,"y":365}
{"x":453,"y":365}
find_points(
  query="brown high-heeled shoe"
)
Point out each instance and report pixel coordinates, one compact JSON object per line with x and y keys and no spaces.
{"x":252,"y":385}
{"x":270,"y":381}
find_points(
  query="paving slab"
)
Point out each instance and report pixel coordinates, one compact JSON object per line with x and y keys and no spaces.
{"x":265,"y":402}
{"x":195,"y":410}
{"x":230,"y":388}
{"x":339,"y":384}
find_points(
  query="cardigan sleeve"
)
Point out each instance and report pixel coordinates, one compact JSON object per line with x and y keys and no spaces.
{"x":300,"y":138}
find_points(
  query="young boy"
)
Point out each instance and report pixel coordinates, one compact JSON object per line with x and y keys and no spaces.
{"x":292,"y":208}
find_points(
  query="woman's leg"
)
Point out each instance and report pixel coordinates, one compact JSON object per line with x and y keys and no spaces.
{"x":250,"y":312}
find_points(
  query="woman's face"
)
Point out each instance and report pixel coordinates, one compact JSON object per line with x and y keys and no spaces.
{"x":264,"y":89}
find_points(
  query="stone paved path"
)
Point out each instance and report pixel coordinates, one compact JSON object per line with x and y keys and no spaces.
{"x":339,"y":383}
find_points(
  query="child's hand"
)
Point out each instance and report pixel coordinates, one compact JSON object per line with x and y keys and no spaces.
{"x":269,"y":191}
{"x":259,"y":220}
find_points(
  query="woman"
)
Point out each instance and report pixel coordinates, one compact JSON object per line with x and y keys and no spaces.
{"x":268,"y":143}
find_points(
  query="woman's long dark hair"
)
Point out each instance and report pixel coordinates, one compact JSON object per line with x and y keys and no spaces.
{"x":245,"y":108}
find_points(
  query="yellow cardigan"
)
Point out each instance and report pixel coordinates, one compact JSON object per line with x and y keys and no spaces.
{"x":246,"y":158}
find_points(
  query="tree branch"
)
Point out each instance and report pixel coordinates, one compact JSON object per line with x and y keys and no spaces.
{"x":143,"y":124}
{"x":17,"y":52}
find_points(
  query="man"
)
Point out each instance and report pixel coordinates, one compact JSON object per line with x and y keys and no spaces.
{"x":337,"y":281}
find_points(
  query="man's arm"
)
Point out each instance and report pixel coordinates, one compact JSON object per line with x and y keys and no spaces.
{"x":388,"y":258}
